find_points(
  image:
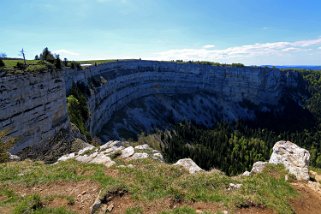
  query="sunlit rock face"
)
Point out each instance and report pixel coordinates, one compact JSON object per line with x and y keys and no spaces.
{"x":130,"y":97}
{"x":33,"y":107}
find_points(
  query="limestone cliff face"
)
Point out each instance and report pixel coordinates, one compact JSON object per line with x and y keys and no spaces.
{"x":33,"y":107}
{"x":116,"y":86}
{"x":135,"y":96}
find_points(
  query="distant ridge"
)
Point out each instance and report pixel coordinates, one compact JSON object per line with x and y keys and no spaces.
{"x":305,"y":67}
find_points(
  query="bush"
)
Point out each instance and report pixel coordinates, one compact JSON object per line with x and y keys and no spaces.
{"x":1,"y":63}
{"x":20,"y":66}
{"x":58,"y":63}
{"x":29,"y":205}
{"x":75,"y":65}
{"x":36,"y":68}
{"x":5,"y":145}
{"x":77,"y":108}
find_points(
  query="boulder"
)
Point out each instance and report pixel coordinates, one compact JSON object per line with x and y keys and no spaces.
{"x":84,"y":159}
{"x":67,"y":157}
{"x":189,"y":165}
{"x":82,"y":151}
{"x":103,"y":159}
{"x":258,"y":167}
{"x":14,"y":157}
{"x":294,"y":158}
{"x":142,"y":147}
{"x":233,"y":186}
{"x":158,"y":156}
{"x":96,"y":205}
{"x":139,"y":156}
{"x":127,"y":152}
{"x":246,"y":173}
{"x":111,"y":144}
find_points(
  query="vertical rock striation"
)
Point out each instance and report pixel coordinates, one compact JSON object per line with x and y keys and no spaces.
{"x":33,"y":107}
{"x":115,"y":85}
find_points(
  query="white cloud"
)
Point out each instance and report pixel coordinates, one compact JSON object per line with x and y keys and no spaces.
{"x":208,"y":46}
{"x":306,"y":43}
{"x":66,"y":52}
{"x":319,"y":48}
{"x":240,"y":53}
{"x":290,"y":49}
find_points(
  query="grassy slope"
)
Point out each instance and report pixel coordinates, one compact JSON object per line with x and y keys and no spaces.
{"x":12,"y":63}
{"x":147,"y":183}
{"x":96,"y":61}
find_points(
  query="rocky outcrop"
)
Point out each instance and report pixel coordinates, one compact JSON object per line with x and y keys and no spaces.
{"x":33,"y":107}
{"x":111,"y":150}
{"x":189,"y":165}
{"x":49,"y":151}
{"x":294,"y":158}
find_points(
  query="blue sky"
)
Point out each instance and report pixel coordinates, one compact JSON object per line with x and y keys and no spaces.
{"x":248,"y":31}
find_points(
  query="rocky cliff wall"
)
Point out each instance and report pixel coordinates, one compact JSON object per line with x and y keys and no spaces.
{"x":33,"y":107}
{"x":115,"y":85}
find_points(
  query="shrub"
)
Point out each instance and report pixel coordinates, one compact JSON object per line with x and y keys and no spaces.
{"x":75,"y":65}
{"x":58,"y":62}
{"x":1,"y":63}
{"x":20,"y":66}
{"x":77,"y":108}
{"x":5,"y":145}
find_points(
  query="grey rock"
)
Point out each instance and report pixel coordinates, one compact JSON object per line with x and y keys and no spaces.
{"x":84,"y":159}
{"x":82,"y":151}
{"x":294,"y":158}
{"x":127,"y":152}
{"x":66,"y":157}
{"x":33,"y":105}
{"x":110,"y":207}
{"x":246,"y":173}
{"x":189,"y":165}
{"x":233,"y":186}
{"x":96,"y":205}
{"x":258,"y":167}
{"x":139,"y":156}
{"x":158,"y":156}
{"x":142,"y":147}
{"x":13,"y":157}
{"x":103,"y":159}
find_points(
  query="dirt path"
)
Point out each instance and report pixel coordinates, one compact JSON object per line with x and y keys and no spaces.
{"x":85,"y":192}
{"x":82,"y":193}
{"x":309,"y":200}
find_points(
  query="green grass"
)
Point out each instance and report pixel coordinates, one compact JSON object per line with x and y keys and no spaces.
{"x":134,"y":210}
{"x":96,"y":61}
{"x":10,"y":196}
{"x":268,"y":190}
{"x":150,"y":181}
{"x":34,"y":204}
{"x":33,"y":66}
{"x":181,"y":210}
{"x":12,"y":63}
{"x":32,"y":173}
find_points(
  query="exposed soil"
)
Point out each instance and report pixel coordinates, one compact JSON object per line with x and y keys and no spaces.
{"x":254,"y":210}
{"x":83,"y":194}
{"x":309,"y":200}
